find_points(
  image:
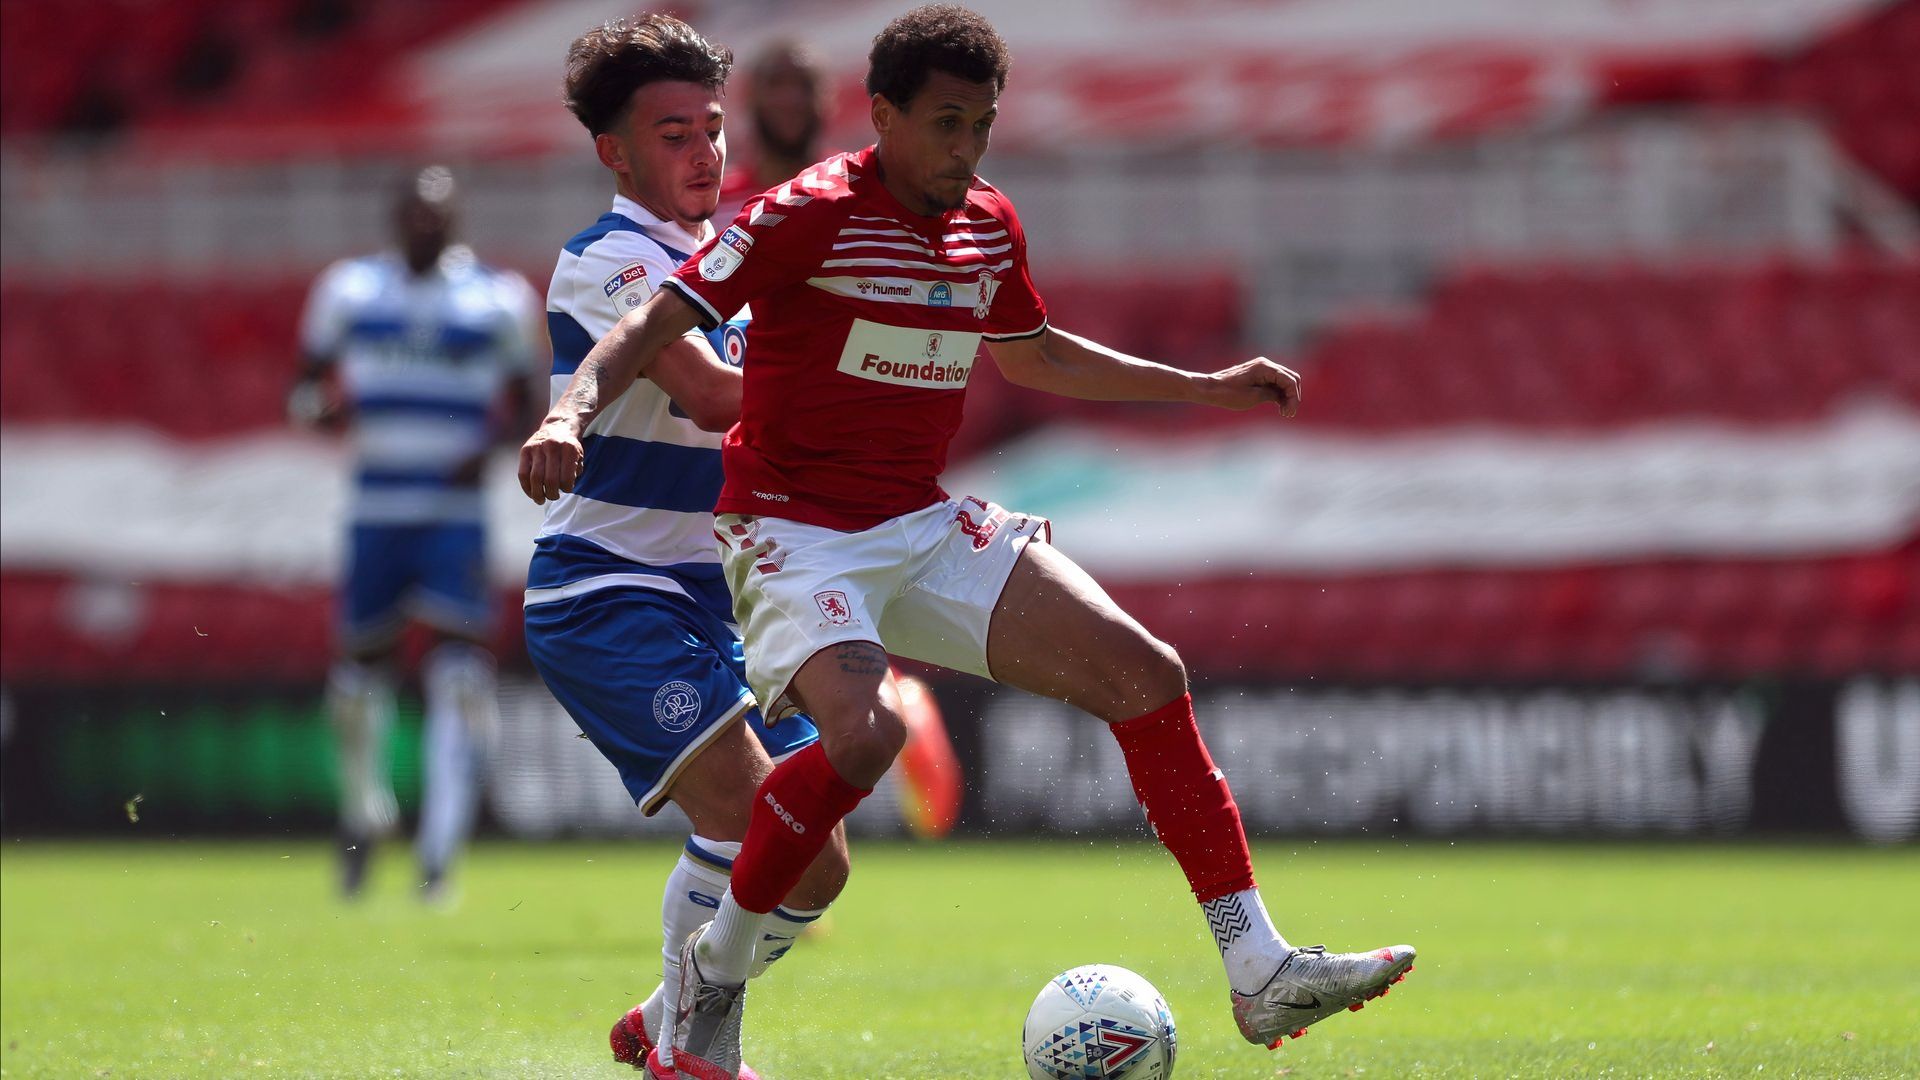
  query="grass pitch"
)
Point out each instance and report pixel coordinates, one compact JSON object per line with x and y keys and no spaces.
{"x":175,"y":960}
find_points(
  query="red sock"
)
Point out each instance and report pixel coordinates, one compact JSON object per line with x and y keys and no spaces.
{"x":794,"y":813}
{"x":1186,"y":799}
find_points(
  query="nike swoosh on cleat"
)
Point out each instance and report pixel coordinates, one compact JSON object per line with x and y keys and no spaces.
{"x":1313,"y":1004}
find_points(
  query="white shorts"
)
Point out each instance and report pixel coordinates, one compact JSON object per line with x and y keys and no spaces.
{"x":923,"y":585}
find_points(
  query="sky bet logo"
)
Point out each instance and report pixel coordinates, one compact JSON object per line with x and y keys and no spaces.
{"x":628,"y":274}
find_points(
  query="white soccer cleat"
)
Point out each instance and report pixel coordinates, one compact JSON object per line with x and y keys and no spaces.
{"x":1312,"y":984}
{"x":705,"y":1042}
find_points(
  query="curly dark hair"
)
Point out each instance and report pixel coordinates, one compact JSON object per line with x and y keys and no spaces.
{"x":608,"y":63}
{"x":937,"y":37}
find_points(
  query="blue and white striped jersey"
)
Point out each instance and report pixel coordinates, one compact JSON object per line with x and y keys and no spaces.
{"x":641,"y":513}
{"x":421,"y":361}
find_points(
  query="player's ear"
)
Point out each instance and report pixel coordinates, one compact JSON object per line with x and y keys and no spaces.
{"x":883,"y":113}
{"x":610,"y":152}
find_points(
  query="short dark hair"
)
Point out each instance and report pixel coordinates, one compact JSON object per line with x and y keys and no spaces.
{"x":608,"y":63}
{"x":937,"y":37}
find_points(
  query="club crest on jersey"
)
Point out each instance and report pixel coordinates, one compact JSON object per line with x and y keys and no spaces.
{"x":676,"y":706}
{"x":940,"y":295}
{"x":988,"y":286}
{"x":933,"y":346}
{"x":726,"y":255}
{"x":833,"y":604}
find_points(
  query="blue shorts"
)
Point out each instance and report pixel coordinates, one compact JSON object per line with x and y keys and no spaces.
{"x":651,"y":678}
{"x":435,"y":572}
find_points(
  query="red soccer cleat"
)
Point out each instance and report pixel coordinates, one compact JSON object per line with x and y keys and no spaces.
{"x":632,"y":1046}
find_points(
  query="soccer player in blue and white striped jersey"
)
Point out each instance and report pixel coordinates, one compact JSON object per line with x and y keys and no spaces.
{"x":628,"y":617}
{"x":425,"y":353}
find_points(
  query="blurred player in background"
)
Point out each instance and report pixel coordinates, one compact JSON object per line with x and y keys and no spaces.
{"x":425,"y":354}
{"x":787,"y":112}
{"x":628,"y":618}
{"x":878,"y":275}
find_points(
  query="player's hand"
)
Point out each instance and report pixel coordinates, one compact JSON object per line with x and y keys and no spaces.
{"x":551,"y":460}
{"x":1256,"y":382}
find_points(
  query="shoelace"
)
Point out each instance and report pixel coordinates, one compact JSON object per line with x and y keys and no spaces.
{"x":1317,"y":950}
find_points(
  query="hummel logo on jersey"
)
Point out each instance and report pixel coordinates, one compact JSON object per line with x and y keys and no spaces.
{"x":781,"y":812}
{"x":726,"y":255}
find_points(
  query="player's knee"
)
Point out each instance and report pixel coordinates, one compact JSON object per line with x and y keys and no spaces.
{"x":1150,"y":675}
{"x":863,"y":746}
{"x":1166,"y":674}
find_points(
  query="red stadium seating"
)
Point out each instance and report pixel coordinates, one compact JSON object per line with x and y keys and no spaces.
{"x":1701,"y":618}
{"x":1518,"y":347}
{"x":1542,"y":347}
{"x":173,"y":61}
{"x":1859,"y":80}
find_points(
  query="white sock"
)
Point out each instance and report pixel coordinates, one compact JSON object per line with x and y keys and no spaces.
{"x":725,"y":951}
{"x":360,"y":703}
{"x":461,"y":710}
{"x":691,"y":897}
{"x":777,"y":935}
{"x":1250,"y":947}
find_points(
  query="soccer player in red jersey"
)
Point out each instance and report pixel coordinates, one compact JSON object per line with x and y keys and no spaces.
{"x":874,"y":278}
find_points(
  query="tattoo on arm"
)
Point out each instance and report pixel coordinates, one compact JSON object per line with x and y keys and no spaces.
{"x":582,"y":396}
{"x":861,"y":658}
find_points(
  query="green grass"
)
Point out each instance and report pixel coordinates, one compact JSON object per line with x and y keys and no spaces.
{"x":176,"y":960}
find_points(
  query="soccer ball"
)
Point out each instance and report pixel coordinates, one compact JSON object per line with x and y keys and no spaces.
{"x":1099,"y":1022}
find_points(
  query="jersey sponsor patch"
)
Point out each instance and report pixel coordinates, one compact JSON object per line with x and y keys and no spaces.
{"x":628,"y":288}
{"x":904,"y":356}
{"x":676,"y":706}
{"x":726,"y":255}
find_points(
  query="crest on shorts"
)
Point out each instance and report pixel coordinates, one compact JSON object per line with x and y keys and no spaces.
{"x":981,"y":527}
{"x":833,"y":604}
{"x":676,"y":706}
{"x":726,"y":254}
{"x":988,"y":286}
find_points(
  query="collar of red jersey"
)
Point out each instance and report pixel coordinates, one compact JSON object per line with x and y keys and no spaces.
{"x":669,"y":231}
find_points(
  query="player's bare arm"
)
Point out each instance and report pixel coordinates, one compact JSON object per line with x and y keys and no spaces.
{"x":1072,"y":366}
{"x":315,"y":400}
{"x":648,"y":342}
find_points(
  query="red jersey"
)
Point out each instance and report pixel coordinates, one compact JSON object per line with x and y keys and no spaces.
{"x":867,"y":321}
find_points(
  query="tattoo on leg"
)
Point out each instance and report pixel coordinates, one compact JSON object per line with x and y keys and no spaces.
{"x":861,"y":658}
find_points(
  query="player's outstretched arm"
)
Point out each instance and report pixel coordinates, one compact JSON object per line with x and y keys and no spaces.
{"x":1072,"y":366}
{"x":551,"y":460}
